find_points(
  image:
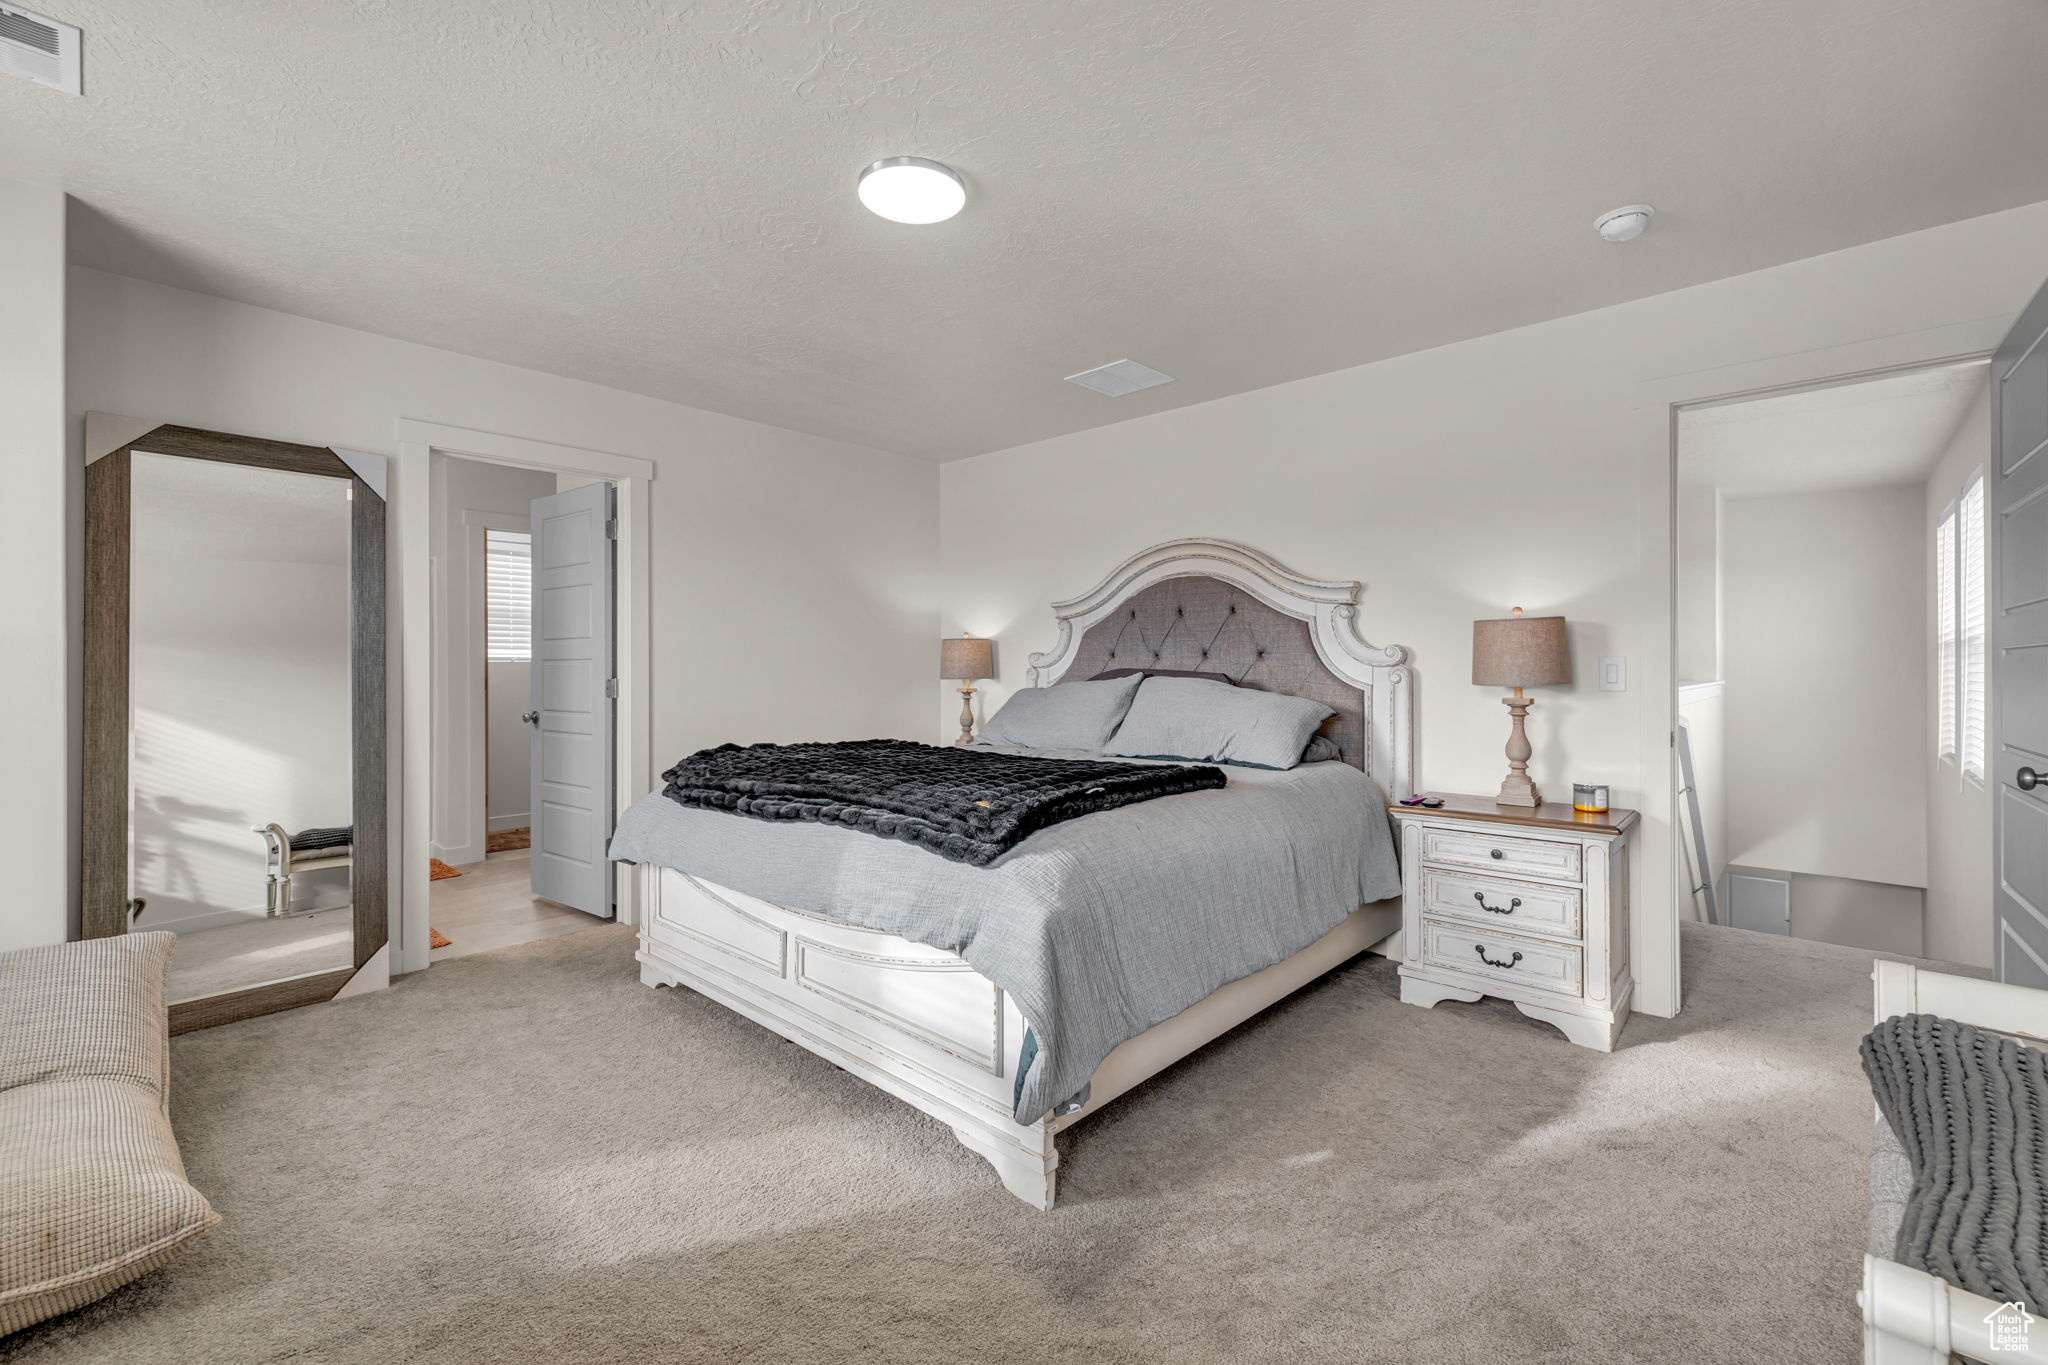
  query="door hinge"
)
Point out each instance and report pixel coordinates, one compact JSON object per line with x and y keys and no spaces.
{"x":611,"y":688}
{"x":611,"y":529}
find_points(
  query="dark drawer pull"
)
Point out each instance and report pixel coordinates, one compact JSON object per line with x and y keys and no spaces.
{"x":1507,"y":909}
{"x":1496,"y":853}
{"x":1480,"y":949}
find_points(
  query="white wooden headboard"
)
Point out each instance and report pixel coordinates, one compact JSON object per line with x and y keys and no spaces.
{"x":1129,"y":620}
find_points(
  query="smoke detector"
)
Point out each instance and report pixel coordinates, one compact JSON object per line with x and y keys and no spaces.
{"x":1119,"y":377}
{"x":39,"y":49}
{"x":1624,"y":224}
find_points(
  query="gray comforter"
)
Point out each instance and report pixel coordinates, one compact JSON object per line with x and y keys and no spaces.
{"x":1098,"y":928}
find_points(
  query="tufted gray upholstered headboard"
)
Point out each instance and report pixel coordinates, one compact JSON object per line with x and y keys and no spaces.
{"x":1205,"y":623}
{"x":1222,"y":607}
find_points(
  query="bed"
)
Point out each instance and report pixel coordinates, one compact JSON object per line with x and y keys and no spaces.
{"x":791,"y":927}
{"x":1909,"y":1316}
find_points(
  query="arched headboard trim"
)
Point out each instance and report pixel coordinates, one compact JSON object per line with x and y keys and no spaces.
{"x":1328,"y":606}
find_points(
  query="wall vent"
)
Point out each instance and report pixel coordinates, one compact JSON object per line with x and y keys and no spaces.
{"x":1119,"y":377}
{"x":1760,"y":901}
{"x":39,"y":49}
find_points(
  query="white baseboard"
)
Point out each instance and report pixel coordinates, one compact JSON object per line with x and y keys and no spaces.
{"x":517,"y":820}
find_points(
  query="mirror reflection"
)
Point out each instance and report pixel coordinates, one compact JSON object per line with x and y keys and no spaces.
{"x":239,"y":766}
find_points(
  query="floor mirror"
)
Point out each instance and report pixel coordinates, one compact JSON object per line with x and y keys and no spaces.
{"x":234,"y":727}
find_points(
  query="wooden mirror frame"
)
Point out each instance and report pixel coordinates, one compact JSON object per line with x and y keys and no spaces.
{"x":104,"y":779}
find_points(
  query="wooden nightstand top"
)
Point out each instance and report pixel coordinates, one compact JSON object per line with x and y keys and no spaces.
{"x":1549,"y":815}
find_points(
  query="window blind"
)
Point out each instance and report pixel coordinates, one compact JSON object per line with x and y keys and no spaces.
{"x":508,"y":596}
{"x":1945,"y":633}
{"x":1972,"y":725}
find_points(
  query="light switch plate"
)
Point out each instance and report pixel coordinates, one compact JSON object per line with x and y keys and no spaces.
{"x":1613,"y":673}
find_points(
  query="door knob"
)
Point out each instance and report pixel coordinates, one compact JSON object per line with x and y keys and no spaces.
{"x":531,"y":718}
{"x":2027,"y":779}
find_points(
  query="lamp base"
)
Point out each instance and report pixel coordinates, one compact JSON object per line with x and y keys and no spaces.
{"x":1518,"y":789}
{"x":966,"y":717}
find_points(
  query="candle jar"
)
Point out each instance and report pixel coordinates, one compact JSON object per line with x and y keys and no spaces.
{"x":1590,"y":797}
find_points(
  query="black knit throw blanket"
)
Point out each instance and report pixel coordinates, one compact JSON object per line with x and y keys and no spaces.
{"x":1968,"y":1107}
{"x":970,"y":805}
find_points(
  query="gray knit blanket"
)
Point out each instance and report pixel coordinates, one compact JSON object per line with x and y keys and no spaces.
{"x":969,"y":805}
{"x":1968,"y":1107}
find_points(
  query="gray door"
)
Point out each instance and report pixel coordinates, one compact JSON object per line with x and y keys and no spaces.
{"x":2018,"y":534}
{"x":573,"y":688}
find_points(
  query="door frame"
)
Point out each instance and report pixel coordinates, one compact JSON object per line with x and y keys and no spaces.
{"x":472,"y":678}
{"x":1654,"y":423}
{"x":411,"y":514}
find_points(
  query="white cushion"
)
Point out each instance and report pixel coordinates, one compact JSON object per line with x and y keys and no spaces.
{"x":92,"y":1189}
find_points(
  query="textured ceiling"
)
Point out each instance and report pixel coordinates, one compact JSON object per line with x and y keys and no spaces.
{"x":659,"y":195}
{"x":1879,"y":432}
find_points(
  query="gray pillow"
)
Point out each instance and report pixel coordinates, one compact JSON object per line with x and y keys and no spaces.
{"x":1075,"y":715}
{"x":1321,"y":749}
{"x":1190,"y":718}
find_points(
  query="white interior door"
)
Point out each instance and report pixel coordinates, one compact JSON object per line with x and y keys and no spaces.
{"x":2019,"y":648}
{"x":574,"y":686}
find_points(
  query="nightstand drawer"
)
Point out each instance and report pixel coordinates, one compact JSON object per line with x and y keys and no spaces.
{"x":1519,"y":907}
{"x":1529,"y":964}
{"x":1503,"y":854}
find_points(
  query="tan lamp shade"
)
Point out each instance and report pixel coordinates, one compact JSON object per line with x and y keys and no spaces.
{"x":1520,"y":651}
{"x":967,"y":658}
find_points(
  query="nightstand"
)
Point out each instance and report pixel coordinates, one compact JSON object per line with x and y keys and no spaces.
{"x":1524,"y":903}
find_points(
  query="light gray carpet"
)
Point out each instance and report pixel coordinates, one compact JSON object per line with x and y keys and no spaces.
{"x":526,"y":1155}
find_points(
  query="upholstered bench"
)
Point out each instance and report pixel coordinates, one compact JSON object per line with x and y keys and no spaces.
{"x":92,"y":1190}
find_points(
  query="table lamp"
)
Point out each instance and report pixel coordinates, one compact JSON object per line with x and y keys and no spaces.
{"x":967,"y":659}
{"x":1521,"y":651}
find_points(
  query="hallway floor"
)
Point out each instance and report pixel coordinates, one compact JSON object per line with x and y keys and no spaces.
{"x":492,"y":906}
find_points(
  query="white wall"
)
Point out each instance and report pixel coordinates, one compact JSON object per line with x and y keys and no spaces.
{"x":1958,"y":808}
{"x":39,"y":558}
{"x":239,"y":682}
{"x":508,"y":755}
{"x":1699,"y":583}
{"x":1859,"y":914}
{"x":1825,"y":602}
{"x":792,"y":575}
{"x":1512,"y":469}
{"x":1455,"y":483}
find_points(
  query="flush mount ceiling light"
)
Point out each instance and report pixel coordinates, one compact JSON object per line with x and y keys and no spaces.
{"x":1624,"y":224}
{"x":910,"y":189}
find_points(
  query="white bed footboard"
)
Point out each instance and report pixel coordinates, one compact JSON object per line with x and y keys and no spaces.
{"x":919,"y":1022}
{"x":1909,"y":1316}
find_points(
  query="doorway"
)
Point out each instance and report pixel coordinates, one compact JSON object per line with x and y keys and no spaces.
{"x":1833,"y":696}
{"x":492,"y":809}
{"x":422,"y":447}
{"x":525,"y":684}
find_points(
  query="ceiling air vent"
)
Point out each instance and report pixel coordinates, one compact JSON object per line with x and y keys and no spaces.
{"x":1119,"y":377}
{"x":39,"y":49}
